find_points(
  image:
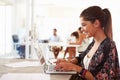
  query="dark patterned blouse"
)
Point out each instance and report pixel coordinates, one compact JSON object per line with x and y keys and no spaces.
{"x":104,"y":64}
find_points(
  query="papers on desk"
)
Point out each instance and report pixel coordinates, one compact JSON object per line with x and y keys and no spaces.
{"x":23,"y":64}
{"x":25,"y":76}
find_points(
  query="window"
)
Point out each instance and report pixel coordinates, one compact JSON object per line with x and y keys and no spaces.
{"x":5,"y":29}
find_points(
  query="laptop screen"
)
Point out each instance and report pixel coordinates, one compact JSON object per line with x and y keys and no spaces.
{"x":39,"y":54}
{"x":42,"y":60}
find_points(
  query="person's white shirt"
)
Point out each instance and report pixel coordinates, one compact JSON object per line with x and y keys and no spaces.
{"x":54,"y":38}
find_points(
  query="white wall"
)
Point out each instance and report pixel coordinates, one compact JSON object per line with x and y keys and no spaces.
{"x":65,"y":17}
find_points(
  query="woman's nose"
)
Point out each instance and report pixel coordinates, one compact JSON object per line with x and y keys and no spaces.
{"x":82,"y":29}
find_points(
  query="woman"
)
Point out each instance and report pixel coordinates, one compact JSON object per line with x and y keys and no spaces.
{"x":100,"y":60}
{"x":80,"y":40}
{"x":72,"y":50}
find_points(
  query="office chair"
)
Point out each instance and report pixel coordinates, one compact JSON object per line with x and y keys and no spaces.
{"x":15,"y":41}
{"x":18,"y":47}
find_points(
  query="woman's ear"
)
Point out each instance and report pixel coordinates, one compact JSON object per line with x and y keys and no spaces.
{"x":97,"y":23}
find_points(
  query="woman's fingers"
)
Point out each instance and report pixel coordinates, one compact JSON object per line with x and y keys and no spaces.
{"x":59,"y":60}
{"x":64,"y":66}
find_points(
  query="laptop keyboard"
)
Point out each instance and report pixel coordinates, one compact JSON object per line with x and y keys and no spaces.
{"x":51,"y":68}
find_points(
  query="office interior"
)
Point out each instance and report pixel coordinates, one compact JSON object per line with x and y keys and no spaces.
{"x":33,"y":20}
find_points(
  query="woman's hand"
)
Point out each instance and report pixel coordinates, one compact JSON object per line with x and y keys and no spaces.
{"x":66,"y":66}
{"x":74,"y":61}
{"x":60,"y":60}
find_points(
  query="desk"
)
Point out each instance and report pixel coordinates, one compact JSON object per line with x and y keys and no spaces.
{"x":25,"y":73}
{"x":58,"y":44}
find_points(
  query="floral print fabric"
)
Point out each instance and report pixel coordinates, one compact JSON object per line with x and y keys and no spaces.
{"x":104,"y":64}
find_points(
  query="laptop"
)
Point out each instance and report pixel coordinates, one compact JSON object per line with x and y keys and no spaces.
{"x":48,"y":65}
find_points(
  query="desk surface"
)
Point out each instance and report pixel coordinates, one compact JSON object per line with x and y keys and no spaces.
{"x":27,"y":73}
{"x":58,"y":44}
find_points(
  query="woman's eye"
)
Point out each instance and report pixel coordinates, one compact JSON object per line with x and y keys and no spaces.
{"x":83,"y":24}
